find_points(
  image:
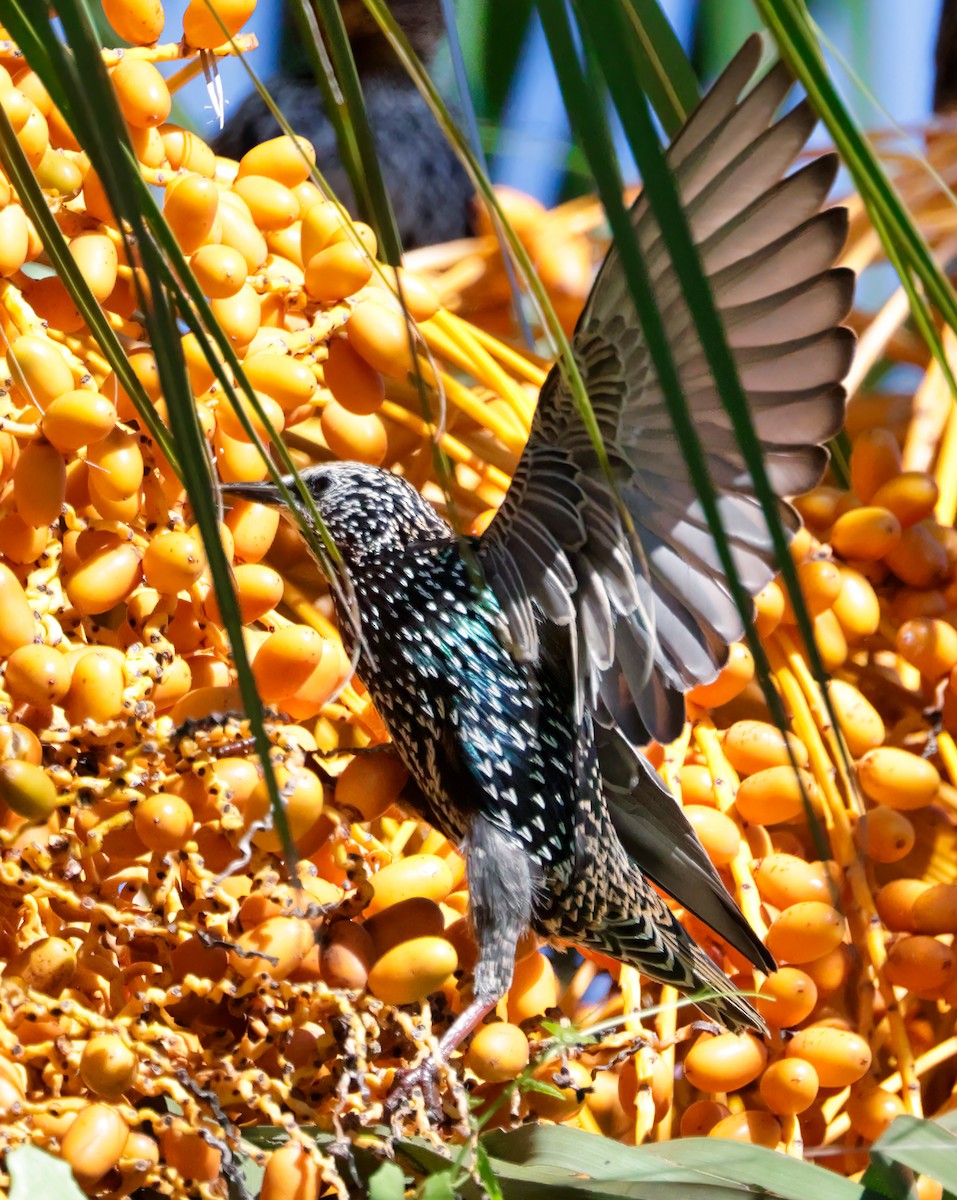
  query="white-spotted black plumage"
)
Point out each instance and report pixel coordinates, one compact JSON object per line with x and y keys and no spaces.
{"x":510,"y":670}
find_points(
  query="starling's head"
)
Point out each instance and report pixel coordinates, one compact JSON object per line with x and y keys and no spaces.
{"x":368,"y":511}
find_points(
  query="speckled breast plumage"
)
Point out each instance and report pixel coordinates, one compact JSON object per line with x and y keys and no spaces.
{"x":478,"y":730}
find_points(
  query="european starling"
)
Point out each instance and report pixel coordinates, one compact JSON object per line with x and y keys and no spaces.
{"x":512,"y":670}
{"x":431,"y":193}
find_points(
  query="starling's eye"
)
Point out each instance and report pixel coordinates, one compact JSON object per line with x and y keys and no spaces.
{"x":318,"y":484}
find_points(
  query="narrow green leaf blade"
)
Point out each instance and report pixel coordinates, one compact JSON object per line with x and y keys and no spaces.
{"x":354,"y":133}
{"x":790,"y":25}
{"x":438,"y":1187}
{"x":887,"y":1179}
{"x":388,"y":1183}
{"x":666,"y":74}
{"x":547,"y":1151}
{"x":486,"y":1173}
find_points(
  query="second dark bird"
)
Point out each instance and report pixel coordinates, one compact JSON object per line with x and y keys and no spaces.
{"x":510,"y":669}
{"x":429,"y":189}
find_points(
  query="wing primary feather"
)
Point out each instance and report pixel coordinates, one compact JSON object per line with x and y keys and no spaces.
{"x":722,"y":96}
{"x":804,"y":252}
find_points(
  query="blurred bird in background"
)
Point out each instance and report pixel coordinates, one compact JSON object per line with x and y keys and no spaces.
{"x":945,"y":60}
{"x":518,"y":673}
{"x":429,"y":189}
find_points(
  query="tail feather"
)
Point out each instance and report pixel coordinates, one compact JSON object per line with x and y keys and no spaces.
{"x":652,"y":939}
{"x":655,"y":833}
{"x":725,"y":1004}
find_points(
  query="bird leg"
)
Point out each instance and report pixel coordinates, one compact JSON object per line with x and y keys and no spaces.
{"x":425,"y":1076}
{"x":500,"y":893}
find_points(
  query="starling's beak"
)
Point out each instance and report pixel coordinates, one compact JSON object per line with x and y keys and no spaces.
{"x":260,"y":493}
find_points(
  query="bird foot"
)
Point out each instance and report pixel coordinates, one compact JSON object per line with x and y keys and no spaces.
{"x":685,"y":1032}
{"x":379,"y":749}
{"x":425,"y":1078}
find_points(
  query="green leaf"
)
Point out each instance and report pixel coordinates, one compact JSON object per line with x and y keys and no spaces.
{"x":884,"y":1178}
{"x":720,"y":31}
{"x":531,"y":1084}
{"x":501,"y":37}
{"x":421,"y":1154}
{"x":927,"y":1147}
{"x":250,"y":1178}
{"x":388,"y":1183}
{"x":947,"y":1120}
{"x":486,"y":1173}
{"x":568,"y":1035}
{"x":35,"y":1173}
{"x":554,"y":1154}
{"x":271,"y":1137}
{"x":439,"y":1187}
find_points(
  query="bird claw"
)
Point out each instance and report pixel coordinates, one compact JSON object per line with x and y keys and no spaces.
{"x":380,"y":748}
{"x":706,"y":1025}
{"x":685,"y":1032}
{"x":425,"y":1077}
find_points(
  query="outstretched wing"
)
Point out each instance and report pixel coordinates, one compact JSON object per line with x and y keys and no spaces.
{"x":557,"y":548}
